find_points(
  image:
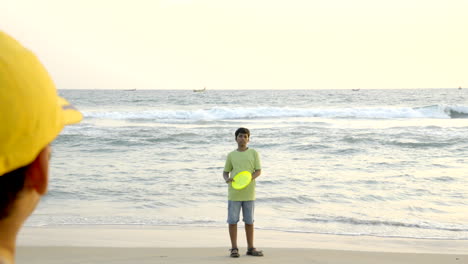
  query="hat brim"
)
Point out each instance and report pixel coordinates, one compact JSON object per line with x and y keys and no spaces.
{"x":70,"y":114}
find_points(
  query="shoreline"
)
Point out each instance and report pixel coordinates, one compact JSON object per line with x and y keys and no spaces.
{"x":124,"y":236}
{"x":202,"y":245}
{"x":105,"y":255}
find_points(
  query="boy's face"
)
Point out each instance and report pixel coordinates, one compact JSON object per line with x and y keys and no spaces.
{"x":242,"y":139}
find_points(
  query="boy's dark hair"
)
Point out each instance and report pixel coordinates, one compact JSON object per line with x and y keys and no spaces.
{"x":11,"y":184}
{"x":242,"y":130}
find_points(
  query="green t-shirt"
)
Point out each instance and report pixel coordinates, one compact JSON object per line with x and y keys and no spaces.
{"x":236,"y":162}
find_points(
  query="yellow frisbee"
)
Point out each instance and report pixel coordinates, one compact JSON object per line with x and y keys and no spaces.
{"x":241,"y":180}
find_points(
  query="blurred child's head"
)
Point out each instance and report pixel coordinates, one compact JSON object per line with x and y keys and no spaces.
{"x":242,"y":130}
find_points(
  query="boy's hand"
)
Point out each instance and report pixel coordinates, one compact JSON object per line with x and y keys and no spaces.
{"x":256,"y":174}
{"x":229,"y":180}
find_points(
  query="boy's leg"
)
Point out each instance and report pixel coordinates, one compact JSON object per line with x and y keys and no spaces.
{"x":248,"y":215}
{"x":233,"y":218}
{"x":249,"y":233}
{"x":233,"y":235}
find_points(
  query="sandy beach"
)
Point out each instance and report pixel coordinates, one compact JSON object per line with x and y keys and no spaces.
{"x":123,"y":244}
{"x":219,"y":255}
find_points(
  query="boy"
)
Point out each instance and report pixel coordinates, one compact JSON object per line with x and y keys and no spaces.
{"x":242,"y":159}
{"x":31,"y":116}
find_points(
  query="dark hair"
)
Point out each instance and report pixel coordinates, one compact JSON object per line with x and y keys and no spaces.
{"x":242,"y":130}
{"x":11,"y":184}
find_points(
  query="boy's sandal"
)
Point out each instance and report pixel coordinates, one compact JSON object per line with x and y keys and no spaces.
{"x":234,"y":252}
{"x":254,"y":252}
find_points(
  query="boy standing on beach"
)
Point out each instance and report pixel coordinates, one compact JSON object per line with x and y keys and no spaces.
{"x":242,"y":159}
{"x":31,"y":116}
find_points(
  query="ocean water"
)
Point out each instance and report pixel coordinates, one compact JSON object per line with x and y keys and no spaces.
{"x":389,"y":163}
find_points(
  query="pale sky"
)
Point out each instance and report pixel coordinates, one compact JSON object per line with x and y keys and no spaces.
{"x":245,"y":44}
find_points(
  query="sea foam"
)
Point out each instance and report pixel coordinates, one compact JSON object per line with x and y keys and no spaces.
{"x":228,"y":113}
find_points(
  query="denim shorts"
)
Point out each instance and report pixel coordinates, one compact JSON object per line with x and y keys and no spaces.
{"x":247,"y":212}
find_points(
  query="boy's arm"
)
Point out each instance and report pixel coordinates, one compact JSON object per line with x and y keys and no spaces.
{"x":256,"y":174}
{"x":227,"y":169}
{"x":226,"y":177}
{"x":258,"y":167}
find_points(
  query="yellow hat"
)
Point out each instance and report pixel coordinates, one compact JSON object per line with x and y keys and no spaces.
{"x":31,"y":112}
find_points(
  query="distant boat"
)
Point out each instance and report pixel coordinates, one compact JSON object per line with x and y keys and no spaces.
{"x":130,"y":89}
{"x":199,"y":90}
{"x":355,"y":90}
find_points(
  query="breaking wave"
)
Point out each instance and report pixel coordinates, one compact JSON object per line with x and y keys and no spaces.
{"x":226,"y":113}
